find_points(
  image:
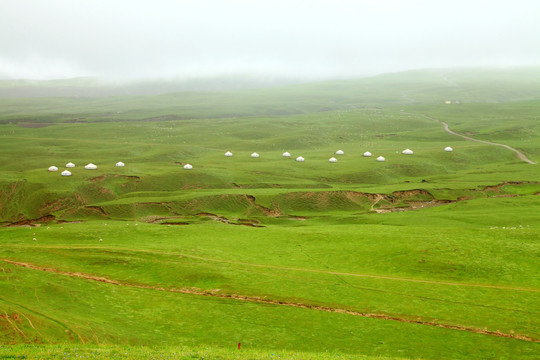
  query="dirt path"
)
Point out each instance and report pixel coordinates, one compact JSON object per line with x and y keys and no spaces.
{"x":519,"y":154}
{"x":45,"y":317}
{"x":255,"y":299}
{"x":286,"y":268}
{"x":13,"y":325}
{"x":450,"y":82}
{"x":378,"y":197}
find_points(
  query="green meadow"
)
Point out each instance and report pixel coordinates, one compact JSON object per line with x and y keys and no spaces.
{"x":433,"y":255}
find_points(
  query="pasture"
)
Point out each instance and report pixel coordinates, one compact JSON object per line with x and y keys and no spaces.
{"x":432,"y":255}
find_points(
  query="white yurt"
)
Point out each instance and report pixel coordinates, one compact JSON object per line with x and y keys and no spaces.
{"x":448,"y":148}
{"x":120,"y":164}
{"x":339,"y":152}
{"x":332,"y":159}
{"x":407,"y":152}
{"x":299,"y":158}
{"x":286,"y":154}
{"x":381,"y":158}
{"x":255,"y":155}
{"x":66,"y":173}
{"x":188,"y":167}
{"x":367,"y":154}
{"x":52,"y":168}
{"x":228,"y":154}
{"x":90,"y":167}
{"x":70,"y":165}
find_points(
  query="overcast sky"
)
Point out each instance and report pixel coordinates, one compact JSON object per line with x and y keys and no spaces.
{"x":319,"y":39}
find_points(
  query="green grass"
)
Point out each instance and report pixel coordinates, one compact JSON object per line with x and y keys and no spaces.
{"x":165,"y":352}
{"x":432,"y":238}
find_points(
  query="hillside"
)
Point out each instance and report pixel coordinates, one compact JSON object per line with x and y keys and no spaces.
{"x":429,"y":87}
{"x":100,"y":88}
{"x":432,"y":255}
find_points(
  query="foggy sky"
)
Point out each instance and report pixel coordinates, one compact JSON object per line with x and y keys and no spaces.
{"x":315,"y":39}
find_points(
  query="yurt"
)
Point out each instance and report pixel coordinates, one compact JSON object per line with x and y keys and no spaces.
{"x":254,"y":155}
{"x":407,"y":152}
{"x":448,"y":148}
{"x":299,"y":158}
{"x":66,"y":173}
{"x":228,"y":154}
{"x":339,"y":152}
{"x":332,"y":160}
{"x":188,"y":167}
{"x":120,"y":164}
{"x":90,"y":167}
{"x":381,"y":158}
{"x":70,"y":165}
{"x":286,"y":154}
{"x":367,"y":154}
{"x":52,"y":168}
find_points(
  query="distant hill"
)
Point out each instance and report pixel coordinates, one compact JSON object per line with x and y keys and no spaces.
{"x":90,"y":100}
{"x":430,"y":255}
{"x":469,"y":84}
{"x":94,"y":87}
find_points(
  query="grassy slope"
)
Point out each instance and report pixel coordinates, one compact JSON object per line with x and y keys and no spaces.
{"x":154,"y":150}
{"x":171,"y":257}
{"x":458,"y":243}
{"x":166,"y":352}
{"x":401,"y":89}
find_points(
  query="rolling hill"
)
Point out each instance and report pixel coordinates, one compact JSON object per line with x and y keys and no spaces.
{"x":432,"y":255}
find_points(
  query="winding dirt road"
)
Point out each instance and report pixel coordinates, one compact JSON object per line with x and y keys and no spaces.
{"x":520,"y":155}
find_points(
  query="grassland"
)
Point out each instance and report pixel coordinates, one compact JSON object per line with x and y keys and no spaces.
{"x":168,"y":352}
{"x":433,"y":255}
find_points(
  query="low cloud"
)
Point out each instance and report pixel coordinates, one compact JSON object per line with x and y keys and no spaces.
{"x":317,"y":39}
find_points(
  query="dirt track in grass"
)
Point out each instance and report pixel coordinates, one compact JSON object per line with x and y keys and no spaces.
{"x":254,"y":299}
{"x":286,"y":268}
{"x":519,"y":154}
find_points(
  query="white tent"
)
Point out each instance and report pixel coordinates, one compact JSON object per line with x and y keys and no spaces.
{"x":228,"y":154}
{"x":254,"y":155}
{"x":70,"y":165}
{"x":287,"y":154}
{"x":448,"y":148}
{"x":339,"y":152}
{"x":299,"y":158}
{"x":52,"y":168}
{"x":381,"y":158}
{"x":120,"y":164}
{"x":407,"y":152}
{"x":332,"y":159}
{"x":367,"y":154}
{"x":188,"y":167}
{"x":66,"y":173}
{"x":90,"y":167}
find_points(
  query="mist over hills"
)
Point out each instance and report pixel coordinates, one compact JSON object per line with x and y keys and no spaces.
{"x":362,"y":257}
{"x":97,"y":87}
{"x":391,"y":210}
{"x":517,"y":83}
{"x":91,"y":100}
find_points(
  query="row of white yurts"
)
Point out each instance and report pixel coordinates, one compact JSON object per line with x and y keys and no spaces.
{"x":339,"y":152}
